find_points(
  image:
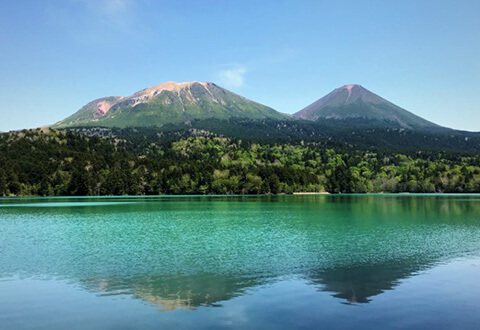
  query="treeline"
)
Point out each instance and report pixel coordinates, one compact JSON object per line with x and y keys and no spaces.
{"x":54,"y":163}
{"x":332,"y":133}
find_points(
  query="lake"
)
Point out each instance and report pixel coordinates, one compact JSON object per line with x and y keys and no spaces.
{"x":316,"y":261}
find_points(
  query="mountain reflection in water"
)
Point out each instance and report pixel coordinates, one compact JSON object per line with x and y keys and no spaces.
{"x":353,"y":284}
{"x":187,"y":252}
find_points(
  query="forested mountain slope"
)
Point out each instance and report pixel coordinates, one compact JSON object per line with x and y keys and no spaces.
{"x":168,"y":103}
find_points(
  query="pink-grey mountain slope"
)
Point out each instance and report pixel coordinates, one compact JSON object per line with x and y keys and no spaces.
{"x":356,"y":102}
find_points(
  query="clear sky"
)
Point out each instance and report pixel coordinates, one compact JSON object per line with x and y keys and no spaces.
{"x":57,"y":55}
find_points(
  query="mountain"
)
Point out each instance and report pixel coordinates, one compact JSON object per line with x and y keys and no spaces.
{"x":353,"y":103}
{"x":168,"y":103}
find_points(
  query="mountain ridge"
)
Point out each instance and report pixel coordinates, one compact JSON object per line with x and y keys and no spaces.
{"x":354,"y":101}
{"x":178,"y":103}
{"x":167,"y":103}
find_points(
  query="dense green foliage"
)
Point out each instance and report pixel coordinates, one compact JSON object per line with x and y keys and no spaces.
{"x":338,"y":134}
{"x":52,"y":162}
{"x":358,"y":133}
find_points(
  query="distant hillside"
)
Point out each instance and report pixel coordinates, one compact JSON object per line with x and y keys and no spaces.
{"x":349,"y":116}
{"x":333,"y":133}
{"x":168,"y":103}
{"x":356,"y":102}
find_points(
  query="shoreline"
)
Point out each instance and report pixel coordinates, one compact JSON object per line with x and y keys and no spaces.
{"x":311,"y":193}
{"x":250,"y":195}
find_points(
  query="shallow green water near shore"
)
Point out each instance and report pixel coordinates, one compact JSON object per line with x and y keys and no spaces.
{"x":368,"y":262}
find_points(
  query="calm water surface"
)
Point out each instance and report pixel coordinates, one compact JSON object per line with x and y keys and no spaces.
{"x":368,"y":262}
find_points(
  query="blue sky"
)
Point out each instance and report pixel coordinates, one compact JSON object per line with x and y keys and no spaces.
{"x":55,"y":56}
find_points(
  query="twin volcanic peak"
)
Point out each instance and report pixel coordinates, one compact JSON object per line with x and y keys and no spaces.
{"x":168,"y":103}
{"x":356,"y":102}
{"x":176,"y":103}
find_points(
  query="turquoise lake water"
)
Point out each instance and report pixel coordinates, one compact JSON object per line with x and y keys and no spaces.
{"x":332,"y":262}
